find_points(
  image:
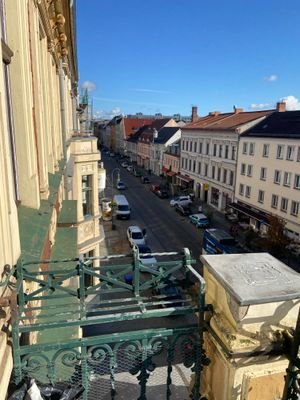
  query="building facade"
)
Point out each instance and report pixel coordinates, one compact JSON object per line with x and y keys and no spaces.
{"x":209,"y":154}
{"x":268,"y":172}
{"x":49,"y":206}
{"x":162,"y":139}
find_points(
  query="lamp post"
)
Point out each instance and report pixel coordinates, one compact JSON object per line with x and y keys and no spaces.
{"x":113,"y":226}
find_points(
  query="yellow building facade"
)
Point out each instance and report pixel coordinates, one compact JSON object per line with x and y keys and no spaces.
{"x":48,"y":169}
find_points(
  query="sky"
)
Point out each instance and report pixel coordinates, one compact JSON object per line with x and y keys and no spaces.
{"x":165,"y":56}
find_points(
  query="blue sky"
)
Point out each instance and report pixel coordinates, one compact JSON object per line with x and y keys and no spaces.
{"x":163,"y":56}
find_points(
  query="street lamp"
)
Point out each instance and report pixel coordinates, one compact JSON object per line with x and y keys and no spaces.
{"x":112,"y":194}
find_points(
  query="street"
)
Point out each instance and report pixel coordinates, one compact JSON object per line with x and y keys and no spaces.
{"x":166,"y":229}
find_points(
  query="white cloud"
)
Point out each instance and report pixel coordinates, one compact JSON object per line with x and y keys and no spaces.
{"x":90,"y":86}
{"x":260,"y":106}
{"x":271,"y":78}
{"x":108,"y":114}
{"x":292,"y":103}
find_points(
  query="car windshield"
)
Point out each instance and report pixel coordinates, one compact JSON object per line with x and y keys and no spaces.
{"x":228,"y":242}
{"x":137,"y":235}
{"x":123,"y":208}
{"x":144,"y":252}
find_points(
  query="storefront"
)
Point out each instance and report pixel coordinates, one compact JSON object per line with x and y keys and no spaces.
{"x":185,"y":182}
{"x":214,"y":196}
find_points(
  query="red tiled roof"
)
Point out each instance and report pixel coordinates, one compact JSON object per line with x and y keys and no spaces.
{"x":132,"y":124}
{"x":226,"y":121}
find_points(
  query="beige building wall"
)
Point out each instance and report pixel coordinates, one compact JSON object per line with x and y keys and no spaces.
{"x":37,"y":115}
{"x":270,"y":179}
{"x":207,"y":168}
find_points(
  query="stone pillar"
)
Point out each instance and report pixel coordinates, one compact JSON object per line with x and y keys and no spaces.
{"x":255,"y":299}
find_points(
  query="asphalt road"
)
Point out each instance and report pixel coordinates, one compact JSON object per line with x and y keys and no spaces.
{"x":166,"y":229}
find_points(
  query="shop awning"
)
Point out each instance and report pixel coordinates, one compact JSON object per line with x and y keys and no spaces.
{"x":171,"y":173}
{"x":256,"y":214}
{"x":184,"y":178}
{"x":165,"y":169}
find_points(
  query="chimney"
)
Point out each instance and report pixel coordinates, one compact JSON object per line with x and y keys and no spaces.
{"x":214,"y":113}
{"x":194,"y":114}
{"x":281,"y":106}
{"x":237,"y":110}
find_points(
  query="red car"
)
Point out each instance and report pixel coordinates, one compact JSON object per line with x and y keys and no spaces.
{"x":154,"y":188}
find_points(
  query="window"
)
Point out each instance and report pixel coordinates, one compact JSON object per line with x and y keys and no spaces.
{"x":194,"y":166}
{"x":233,"y":154}
{"x":220,"y":150}
{"x":298,"y":154}
{"x":182,"y":144}
{"x":195,"y":147}
{"x":248,"y":191}
{"x":277,"y":176}
{"x":295,"y":208}
{"x":224,"y":175}
{"x":87,"y":195}
{"x":297,"y":182}
{"x":190,"y":164}
{"x":182,"y":163}
{"x":219,"y":174}
{"x":215,"y":150}
{"x":280,"y":150}
{"x":245,"y":147}
{"x":205,"y":169}
{"x":213,"y":171}
{"x":243,"y":169}
{"x":274,"y":201}
{"x":290,"y":151}
{"x":199,"y":168}
{"x":191,"y":146}
{"x":261,"y":195}
{"x":226,"y":151}
{"x":241,"y":189}
{"x":250,"y":169}
{"x":266,"y":148}
{"x":287,"y":178}
{"x":263,"y":173}
{"x":200,"y":147}
{"x":284,"y":204}
{"x":207,"y":148}
{"x":231,"y":178}
{"x":251,"y":149}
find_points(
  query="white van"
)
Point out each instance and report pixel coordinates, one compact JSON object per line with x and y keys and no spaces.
{"x":122,"y":209}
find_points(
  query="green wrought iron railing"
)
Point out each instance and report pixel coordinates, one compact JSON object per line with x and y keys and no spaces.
{"x":101,"y":335}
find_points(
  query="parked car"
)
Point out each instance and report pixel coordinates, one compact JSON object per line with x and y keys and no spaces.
{"x":145,"y":179}
{"x":200,"y":220}
{"x":183,"y":209}
{"x":154,"y":188}
{"x":121,"y":185}
{"x":135,"y":235}
{"x":162,"y":194}
{"x":183,"y":200}
{"x":145,"y":255}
